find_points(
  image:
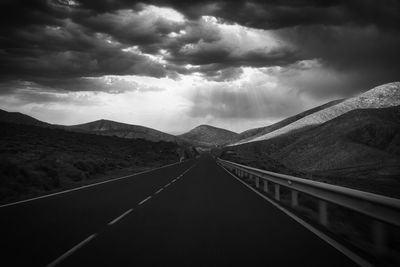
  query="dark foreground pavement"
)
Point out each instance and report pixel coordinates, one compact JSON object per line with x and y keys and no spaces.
{"x":204,"y":218}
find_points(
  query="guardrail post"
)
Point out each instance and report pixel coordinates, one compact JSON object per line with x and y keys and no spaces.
{"x":277,"y":192}
{"x":266,"y":189}
{"x":323,"y":212}
{"x":379,"y":236}
{"x":257,"y":182}
{"x":295,"y":199}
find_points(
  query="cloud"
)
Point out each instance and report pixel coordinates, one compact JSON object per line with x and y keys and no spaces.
{"x":148,"y":25}
{"x":50,"y":54}
{"x":276,"y":14}
{"x":254,"y":94}
{"x":254,"y":61}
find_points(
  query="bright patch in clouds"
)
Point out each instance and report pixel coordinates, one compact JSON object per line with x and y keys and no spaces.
{"x":255,"y":97}
{"x":162,"y":12}
{"x":234,"y":39}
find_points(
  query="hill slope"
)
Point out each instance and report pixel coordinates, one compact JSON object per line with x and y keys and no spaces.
{"x":359,"y":149}
{"x":256,"y":132}
{"x":206,"y":135}
{"x":20,"y":118}
{"x":386,"y":95}
{"x":112,"y":128}
{"x":35,"y":160}
{"x":101,"y":127}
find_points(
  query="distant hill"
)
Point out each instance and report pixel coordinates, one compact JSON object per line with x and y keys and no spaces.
{"x":206,"y":135}
{"x":256,"y":132}
{"x":386,"y":95}
{"x":101,"y":127}
{"x":112,"y":128}
{"x":20,"y":118}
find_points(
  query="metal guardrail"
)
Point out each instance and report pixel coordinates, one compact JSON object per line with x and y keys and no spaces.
{"x":382,"y":210}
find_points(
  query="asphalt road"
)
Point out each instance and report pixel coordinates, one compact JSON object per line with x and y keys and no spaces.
{"x":188,"y":214}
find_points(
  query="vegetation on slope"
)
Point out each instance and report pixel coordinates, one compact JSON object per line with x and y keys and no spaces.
{"x":35,"y":160}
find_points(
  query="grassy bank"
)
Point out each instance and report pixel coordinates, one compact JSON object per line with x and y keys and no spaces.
{"x":36,"y":160}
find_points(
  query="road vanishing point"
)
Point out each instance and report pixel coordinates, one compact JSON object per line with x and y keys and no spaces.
{"x":192,"y":213}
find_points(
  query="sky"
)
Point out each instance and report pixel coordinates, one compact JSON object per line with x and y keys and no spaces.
{"x":173,"y":65}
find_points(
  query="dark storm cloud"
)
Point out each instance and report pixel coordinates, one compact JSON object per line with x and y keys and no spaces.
{"x":266,"y":14}
{"x":48,"y":53}
{"x":276,"y":13}
{"x":51,"y":41}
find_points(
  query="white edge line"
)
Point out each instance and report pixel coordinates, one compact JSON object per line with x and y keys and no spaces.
{"x":84,"y":186}
{"x":144,"y":200}
{"x":71,"y":251}
{"x":158,"y":191}
{"x":347,"y":252}
{"x":120,"y":217}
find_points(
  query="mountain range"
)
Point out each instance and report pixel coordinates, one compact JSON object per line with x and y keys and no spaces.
{"x":386,"y":95}
{"x":203,"y":136}
{"x":353,"y":142}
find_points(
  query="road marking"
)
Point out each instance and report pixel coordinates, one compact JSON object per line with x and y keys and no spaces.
{"x":84,"y":186}
{"x":144,"y":200}
{"x":88,"y":239}
{"x":347,"y":252}
{"x":120,"y":217}
{"x":71,"y":251}
{"x":159,"y":190}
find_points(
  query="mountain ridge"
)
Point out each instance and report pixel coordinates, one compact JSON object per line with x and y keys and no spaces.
{"x":21,"y":118}
{"x":130,"y":131}
{"x":382,"y":96}
{"x":256,"y":132}
{"x":123,"y":130}
{"x":209,"y":136}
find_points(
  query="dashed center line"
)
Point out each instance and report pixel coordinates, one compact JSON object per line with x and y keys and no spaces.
{"x":85,"y":241}
{"x":144,"y":200}
{"x":120,"y":217}
{"x":71,"y":251}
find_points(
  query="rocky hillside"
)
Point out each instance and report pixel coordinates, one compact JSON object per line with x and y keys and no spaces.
{"x":359,"y":149}
{"x":208,"y":136}
{"x":386,"y":95}
{"x":256,"y":132}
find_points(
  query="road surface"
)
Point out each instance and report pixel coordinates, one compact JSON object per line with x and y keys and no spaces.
{"x":190,"y":214}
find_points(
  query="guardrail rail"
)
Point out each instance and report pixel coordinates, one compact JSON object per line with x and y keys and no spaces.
{"x":382,"y":211}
